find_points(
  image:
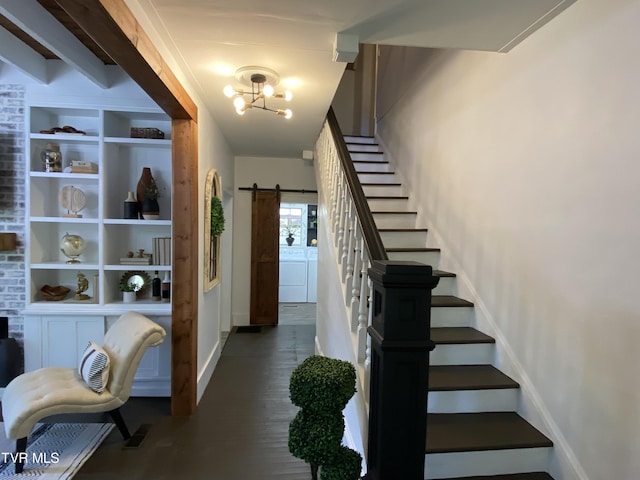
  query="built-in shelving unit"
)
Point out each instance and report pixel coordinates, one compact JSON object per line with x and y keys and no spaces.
{"x":117,"y":161}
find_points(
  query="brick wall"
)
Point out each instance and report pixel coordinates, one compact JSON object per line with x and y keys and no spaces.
{"x":12,"y":204}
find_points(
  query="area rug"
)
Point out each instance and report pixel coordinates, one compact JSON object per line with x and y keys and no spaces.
{"x":55,"y":451}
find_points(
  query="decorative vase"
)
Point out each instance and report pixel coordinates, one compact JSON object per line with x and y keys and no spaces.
{"x":150,"y":209}
{"x":128,"y":297}
{"x":145,"y":184}
{"x":51,"y":158}
{"x":290,"y":240}
{"x":131,"y":207}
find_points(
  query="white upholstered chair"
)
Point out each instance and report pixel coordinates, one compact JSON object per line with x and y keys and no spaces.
{"x":32,"y":396}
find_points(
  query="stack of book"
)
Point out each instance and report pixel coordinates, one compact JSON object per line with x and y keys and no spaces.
{"x":162,"y":251}
{"x":78,"y":166}
{"x":145,"y":260}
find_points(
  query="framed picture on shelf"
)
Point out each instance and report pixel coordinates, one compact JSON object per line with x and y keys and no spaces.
{"x":213,"y":227}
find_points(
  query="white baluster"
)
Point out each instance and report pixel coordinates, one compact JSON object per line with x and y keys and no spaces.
{"x":357,"y":277}
{"x":363,"y":310}
{"x":347,"y":252}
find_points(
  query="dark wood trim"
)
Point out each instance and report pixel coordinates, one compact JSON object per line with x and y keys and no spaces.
{"x":184,"y":322}
{"x":113,"y":27}
{"x":369,"y":229}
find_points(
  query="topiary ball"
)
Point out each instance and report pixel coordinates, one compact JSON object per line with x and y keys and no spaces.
{"x":315,"y":438}
{"x":322,"y":384}
{"x":345,"y":465}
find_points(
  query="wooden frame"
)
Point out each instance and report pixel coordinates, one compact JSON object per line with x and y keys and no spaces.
{"x":212,"y":188}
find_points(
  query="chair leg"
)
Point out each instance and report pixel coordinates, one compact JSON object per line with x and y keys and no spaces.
{"x":21,"y":455}
{"x":119,"y":421}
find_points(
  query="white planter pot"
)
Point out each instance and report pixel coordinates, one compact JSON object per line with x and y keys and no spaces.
{"x":128,"y":297}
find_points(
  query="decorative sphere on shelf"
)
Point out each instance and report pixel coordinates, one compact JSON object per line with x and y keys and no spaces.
{"x":72,"y":247}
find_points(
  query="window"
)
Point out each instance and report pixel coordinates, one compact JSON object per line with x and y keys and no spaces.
{"x":291,"y":224}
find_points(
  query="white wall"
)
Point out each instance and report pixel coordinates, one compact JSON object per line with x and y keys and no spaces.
{"x":525,"y":167}
{"x":289,"y":173}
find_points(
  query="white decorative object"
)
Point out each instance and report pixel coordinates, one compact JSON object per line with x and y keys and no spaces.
{"x":73,"y":200}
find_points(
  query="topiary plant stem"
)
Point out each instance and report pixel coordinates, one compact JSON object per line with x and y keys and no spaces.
{"x":314,"y":471}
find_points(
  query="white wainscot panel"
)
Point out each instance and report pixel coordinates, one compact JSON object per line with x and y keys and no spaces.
{"x":293,"y":281}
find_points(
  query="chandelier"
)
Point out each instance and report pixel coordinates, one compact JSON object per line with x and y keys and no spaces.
{"x":262,"y":81}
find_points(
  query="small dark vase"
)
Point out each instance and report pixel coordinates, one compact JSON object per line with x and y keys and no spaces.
{"x":290,"y":240}
{"x":150,"y":209}
{"x":145,"y":183}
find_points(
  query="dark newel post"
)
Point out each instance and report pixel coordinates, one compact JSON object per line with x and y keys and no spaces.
{"x":400,"y":346}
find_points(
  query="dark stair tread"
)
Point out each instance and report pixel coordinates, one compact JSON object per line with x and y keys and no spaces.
{"x":412,"y":249}
{"x":387,"y":197}
{"x":374,"y":162}
{"x":393,"y":212}
{"x":467,"y":432}
{"x":380,"y":184}
{"x":510,"y":476}
{"x":444,"y":378}
{"x":442,"y":273}
{"x":449,"y":301}
{"x":366,"y":152}
{"x":458,"y":335}
{"x":383,"y":230}
{"x":376,"y":173}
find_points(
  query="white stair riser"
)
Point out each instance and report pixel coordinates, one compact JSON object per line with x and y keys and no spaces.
{"x":491,"y":462}
{"x":377,"y":177}
{"x":388,"y":204}
{"x":356,"y":139}
{"x":428,"y":258}
{"x":363,"y":147}
{"x":463,"y":354}
{"x":446,"y":286}
{"x":382,"y":190}
{"x":452,"y":317}
{"x":392,"y":220}
{"x":469,"y":401}
{"x":416,"y":238}
{"x":368,"y":157}
{"x":372,"y":167}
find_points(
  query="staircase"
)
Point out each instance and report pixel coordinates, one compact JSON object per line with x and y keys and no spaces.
{"x":473,"y":430}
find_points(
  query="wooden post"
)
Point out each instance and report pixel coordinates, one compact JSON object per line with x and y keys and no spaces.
{"x":401,"y":342}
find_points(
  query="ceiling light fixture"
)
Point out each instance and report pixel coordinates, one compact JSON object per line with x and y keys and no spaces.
{"x":262,"y":82}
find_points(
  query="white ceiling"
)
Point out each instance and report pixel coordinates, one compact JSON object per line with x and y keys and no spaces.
{"x":211,"y":39}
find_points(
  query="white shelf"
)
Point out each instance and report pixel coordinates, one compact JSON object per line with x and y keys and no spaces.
{"x":118,"y":160}
{"x":138,"y":223}
{"x":146,"y":142}
{"x":63,"y":220}
{"x":64,"y":266}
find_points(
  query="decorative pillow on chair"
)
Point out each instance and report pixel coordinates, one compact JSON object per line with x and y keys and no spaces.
{"x":94,"y":367}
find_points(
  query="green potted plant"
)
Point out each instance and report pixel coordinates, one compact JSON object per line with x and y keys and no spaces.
{"x":217,"y":217}
{"x":321,"y":387}
{"x":128,"y":291}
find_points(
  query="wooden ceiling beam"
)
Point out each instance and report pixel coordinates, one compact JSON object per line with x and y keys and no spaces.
{"x":31,"y":17}
{"x":113,"y":27}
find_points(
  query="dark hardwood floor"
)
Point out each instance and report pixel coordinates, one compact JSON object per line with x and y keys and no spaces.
{"x":239,"y":431}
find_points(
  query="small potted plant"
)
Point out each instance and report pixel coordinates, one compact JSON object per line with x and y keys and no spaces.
{"x":128,"y":291}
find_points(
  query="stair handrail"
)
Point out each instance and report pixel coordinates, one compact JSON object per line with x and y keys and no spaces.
{"x":387,"y":310}
{"x":369,"y":230}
